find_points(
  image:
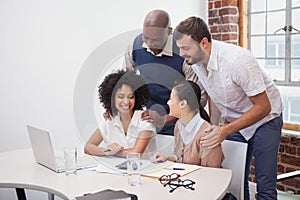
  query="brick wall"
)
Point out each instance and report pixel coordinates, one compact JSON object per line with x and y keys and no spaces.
{"x":223,"y":18}
{"x":288,"y":160}
{"x":223,"y":21}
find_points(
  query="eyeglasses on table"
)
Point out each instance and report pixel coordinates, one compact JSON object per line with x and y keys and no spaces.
{"x":174,"y":182}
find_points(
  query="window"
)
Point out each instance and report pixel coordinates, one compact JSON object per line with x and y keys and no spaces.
{"x":274,"y":38}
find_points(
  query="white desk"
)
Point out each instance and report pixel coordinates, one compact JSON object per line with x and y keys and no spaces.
{"x":19,"y":170}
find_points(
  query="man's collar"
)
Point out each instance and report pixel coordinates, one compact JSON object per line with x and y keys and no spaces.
{"x":213,"y":56}
{"x":211,"y":65}
{"x":167,"y":50}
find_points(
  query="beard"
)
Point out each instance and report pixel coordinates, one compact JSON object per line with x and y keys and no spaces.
{"x":199,"y":57}
{"x":189,"y":62}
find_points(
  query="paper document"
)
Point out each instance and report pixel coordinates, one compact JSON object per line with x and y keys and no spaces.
{"x":178,"y":168}
{"x":109,"y":170}
{"x":148,"y":169}
{"x":109,"y":165}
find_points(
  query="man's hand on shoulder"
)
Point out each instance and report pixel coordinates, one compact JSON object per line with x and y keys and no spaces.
{"x":214,"y":136}
{"x":107,"y":116}
{"x":153,"y":117}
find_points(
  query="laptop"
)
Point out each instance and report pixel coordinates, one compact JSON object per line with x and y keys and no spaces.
{"x":44,"y":154}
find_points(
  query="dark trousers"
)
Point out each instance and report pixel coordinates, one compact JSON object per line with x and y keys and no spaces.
{"x":264,"y":146}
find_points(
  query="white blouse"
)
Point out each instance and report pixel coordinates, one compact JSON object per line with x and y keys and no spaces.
{"x":189,"y":131}
{"x":112,"y":131}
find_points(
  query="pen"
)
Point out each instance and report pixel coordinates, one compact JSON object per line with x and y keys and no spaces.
{"x":176,"y":168}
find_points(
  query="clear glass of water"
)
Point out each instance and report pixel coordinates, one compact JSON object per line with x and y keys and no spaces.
{"x":133,"y":167}
{"x":70,"y":157}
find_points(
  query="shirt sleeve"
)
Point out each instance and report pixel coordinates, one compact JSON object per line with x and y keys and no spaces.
{"x":214,"y":158}
{"x":146,"y":126}
{"x":192,"y":76}
{"x":247,"y":73}
{"x":103,"y":131}
{"x":128,"y":63}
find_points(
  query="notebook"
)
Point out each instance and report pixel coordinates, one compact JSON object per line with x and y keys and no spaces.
{"x":44,"y":154}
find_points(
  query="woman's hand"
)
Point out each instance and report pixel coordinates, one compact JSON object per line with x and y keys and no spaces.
{"x":158,"y":157}
{"x":107,"y":116}
{"x":113,"y":149}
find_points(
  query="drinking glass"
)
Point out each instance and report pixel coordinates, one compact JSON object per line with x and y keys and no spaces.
{"x":133,"y":167}
{"x":70,"y":156}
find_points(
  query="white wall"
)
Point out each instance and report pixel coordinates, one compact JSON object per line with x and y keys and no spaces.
{"x":43,"y":45}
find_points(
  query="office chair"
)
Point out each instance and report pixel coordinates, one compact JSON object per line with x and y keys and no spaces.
{"x":165,"y":144}
{"x":235,"y":154}
{"x":289,"y":175}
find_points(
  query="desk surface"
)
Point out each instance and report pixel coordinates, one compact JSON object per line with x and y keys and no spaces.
{"x":18,"y":169}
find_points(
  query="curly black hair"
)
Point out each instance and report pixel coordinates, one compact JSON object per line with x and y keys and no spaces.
{"x":114,"y":81}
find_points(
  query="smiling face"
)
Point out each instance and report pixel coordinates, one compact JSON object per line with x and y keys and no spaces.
{"x":174,"y":105}
{"x":125,"y":100}
{"x":192,"y":51}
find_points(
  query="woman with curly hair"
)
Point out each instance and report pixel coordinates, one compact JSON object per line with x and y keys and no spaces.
{"x":123,"y":95}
